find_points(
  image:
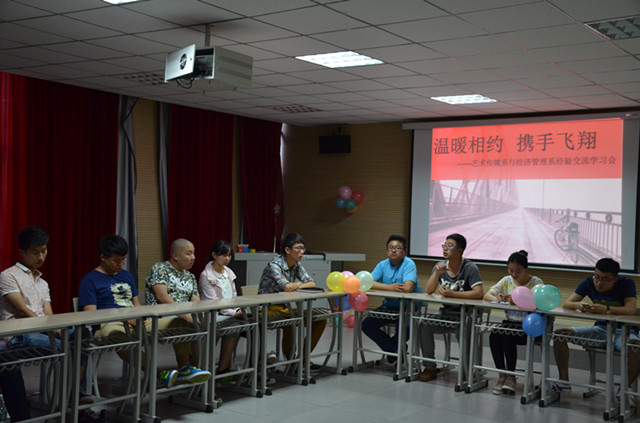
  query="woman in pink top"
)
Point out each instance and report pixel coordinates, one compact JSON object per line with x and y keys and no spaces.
{"x":216,"y":282}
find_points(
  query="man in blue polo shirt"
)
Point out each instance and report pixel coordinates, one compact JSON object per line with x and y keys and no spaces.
{"x":397,"y":273}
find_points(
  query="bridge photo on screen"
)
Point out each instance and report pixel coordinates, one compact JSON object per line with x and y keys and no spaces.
{"x":564,"y":190}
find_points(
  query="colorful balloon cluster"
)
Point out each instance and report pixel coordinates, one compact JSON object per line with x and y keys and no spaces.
{"x":348,"y":200}
{"x":354,"y":285}
{"x":541,"y":297}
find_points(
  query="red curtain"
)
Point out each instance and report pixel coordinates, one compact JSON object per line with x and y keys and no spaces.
{"x":200,"y":179}
{"x":59,"y":147}
{"x":262,"y":183}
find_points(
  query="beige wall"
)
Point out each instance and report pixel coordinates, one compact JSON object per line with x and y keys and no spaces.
{"x":145,"y":120}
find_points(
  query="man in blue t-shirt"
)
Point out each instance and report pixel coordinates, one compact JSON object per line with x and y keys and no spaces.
{"x":110,"y":286}
{"x":611,"y":295}
{"x":398,"y":274}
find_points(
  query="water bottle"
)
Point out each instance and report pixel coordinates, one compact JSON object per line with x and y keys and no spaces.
{"x":4,"y":414}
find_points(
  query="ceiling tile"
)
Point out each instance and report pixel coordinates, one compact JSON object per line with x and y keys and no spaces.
{"x":26,"y":35}
{"x":295,"y":46}
{"x":378,"y":12}
{"x":63,"y":26}
{"x":587,"y":11}
{"x":427,"y":30}
{"x":564,"y":35}
{"x":190,"y":12}
{"x":249,"y":31}
{"x":517,"y":18}
{"x":311,"y":20}
{"x":360,"y":38}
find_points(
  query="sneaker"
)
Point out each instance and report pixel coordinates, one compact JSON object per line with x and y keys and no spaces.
{"x":391,"y":359}
{"x":89,"y":416}
{"x":631,"y":403}
{"x":272,"y":357}
{"x":168,"y":378}
{"x":315,"y":368}
{"x":497,"y":390}
{"x":561,"y":388}
{"x":191,"y":374}
{"x":85,"y":398}
{"x":509,"y":386}
{"x":428,"y":374}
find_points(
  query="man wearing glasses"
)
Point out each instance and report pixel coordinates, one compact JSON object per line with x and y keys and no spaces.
{"x":610,"y":294}
{"x":397,"y":273}
{"x":286,"y":273}
{"x":454,"y":277}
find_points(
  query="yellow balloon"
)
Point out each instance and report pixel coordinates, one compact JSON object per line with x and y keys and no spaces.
{"x":335,"y":281}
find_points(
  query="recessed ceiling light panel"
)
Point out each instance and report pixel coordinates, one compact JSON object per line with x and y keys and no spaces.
{"x":341,"y":59}
{"x":119,"y":1}
{"x":464,"y":99}
{"x":618,"y":29}
{"x":293,"y":108}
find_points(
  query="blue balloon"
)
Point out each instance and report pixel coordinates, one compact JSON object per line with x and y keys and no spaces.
{"x":533,"y":325}
{"x":340,"y":203}
{"x":345,"y":305}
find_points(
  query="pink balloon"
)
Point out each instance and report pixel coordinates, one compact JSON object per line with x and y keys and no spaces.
{"x":350,"y":320}
{"x":523,"y":297}
{"x":359,"y":301}
{"x":346,"y":273}
{"x":344,"y":192}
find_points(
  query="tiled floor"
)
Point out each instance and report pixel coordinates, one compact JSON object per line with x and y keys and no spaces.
{"x":371,"y":395}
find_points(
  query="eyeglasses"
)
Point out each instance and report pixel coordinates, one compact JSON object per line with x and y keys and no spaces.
{"x":605,"y":279}
{"x":395,"y":248}
{"x":301,"y":249}
{"x":449,"y":246}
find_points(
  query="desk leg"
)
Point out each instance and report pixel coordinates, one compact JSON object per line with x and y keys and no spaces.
{"x":302,"y":361}
{"x":263,"y":350}
{"x":66,"y":371}
{"x":412,"y":342}
{"x":308,"y":313}
{"x":463,"y":342}
{"x":611,"y":409}
{"x":151,"y":366}
{"x":546,"y":396}
{"x":210,"y":356}
{"x":625,"y":411}
{"x":474,"y":383}
{"x":530,"y":393}
{"x":401,"y":347}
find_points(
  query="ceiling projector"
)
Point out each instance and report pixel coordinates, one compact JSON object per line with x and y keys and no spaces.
{"x":208,"y":68}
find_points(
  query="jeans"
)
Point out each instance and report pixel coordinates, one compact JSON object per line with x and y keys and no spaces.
{"x":372,"y":327}
{"x":35,"y":340}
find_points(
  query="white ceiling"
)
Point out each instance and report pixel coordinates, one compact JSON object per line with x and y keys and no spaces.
{"x":531,"y":56}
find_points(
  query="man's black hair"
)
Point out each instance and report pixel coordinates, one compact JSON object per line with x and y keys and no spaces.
{"x":113,"y":245}
{"x":32,"y":236}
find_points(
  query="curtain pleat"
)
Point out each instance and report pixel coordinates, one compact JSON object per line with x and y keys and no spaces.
{"x":200,"y":179}
{"x":59,"y":147}
{"x":126,"y":195}
{"x":262,"y":183}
